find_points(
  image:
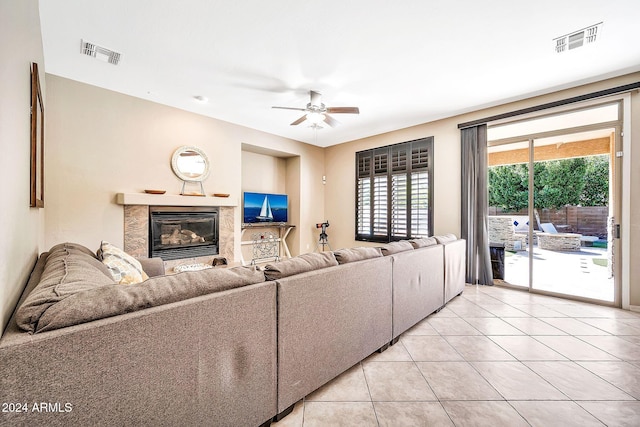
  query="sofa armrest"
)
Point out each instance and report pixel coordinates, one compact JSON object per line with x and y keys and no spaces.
{"x":455,"y":261}
{"x":152,"y":266}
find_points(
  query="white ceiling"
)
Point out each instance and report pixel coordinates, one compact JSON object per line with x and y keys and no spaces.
{"x":403,"y":63}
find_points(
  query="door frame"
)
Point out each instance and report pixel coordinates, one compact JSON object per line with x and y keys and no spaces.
{"x":620,"y":162}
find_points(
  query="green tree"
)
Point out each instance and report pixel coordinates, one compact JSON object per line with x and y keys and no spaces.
{"x":596,"y":182}
{"x":508,"y":186}
{"x":559,"y":182}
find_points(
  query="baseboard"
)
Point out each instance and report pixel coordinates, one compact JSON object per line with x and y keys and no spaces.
{"x":635,"y":308}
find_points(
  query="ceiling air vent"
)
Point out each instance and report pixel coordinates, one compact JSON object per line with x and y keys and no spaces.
{"x":99,"y":52}
{"x":578,"y":38}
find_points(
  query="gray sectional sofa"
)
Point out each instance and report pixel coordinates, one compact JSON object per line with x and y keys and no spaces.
{"x":329,"y":320}
{"x":224,"y":346}
{"x":418,"y":286}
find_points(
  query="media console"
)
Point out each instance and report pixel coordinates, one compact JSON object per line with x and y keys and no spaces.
{"x":266,"y":245}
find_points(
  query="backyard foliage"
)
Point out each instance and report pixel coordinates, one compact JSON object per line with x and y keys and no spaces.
{"x":580,"y":181}
{"x":508,"y":186}
{"x":596,"y":182}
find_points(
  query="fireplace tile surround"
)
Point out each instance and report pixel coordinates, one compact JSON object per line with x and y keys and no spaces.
{"x":136,"y":225}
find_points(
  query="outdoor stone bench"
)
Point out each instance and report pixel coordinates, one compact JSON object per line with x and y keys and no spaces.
{"x":559,"y":241}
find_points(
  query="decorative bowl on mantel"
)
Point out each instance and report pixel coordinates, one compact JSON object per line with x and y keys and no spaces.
{"x":155,"y":191}
{"x":220,"y":194}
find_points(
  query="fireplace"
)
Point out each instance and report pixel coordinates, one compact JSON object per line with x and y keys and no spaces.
{"x":182,"y":232}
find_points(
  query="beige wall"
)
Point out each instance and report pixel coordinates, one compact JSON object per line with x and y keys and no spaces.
{"x":340,"y":187}
{"x":634,"y":243}
{"x":101,"y":143}
{"x":262,"y":173}
{"x":293,"y":190}
{"x":22,"y":227}
{"x":340,"y":170}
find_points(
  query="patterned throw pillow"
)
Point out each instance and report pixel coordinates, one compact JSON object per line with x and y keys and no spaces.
{"x":124,"y":268}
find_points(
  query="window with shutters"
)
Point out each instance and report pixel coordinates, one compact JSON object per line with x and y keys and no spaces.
{"x":393,"y":191}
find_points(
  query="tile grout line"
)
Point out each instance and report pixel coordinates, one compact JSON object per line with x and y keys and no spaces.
{"x":577,"y":362}
{"x":375,"y":413}
{"x":536,"y":338}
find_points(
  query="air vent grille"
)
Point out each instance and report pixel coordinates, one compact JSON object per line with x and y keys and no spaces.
{"x":578,"y":38}
{"x":99,"y":52}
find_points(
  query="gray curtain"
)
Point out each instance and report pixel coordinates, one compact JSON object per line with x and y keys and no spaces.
{"x":475,"y":204}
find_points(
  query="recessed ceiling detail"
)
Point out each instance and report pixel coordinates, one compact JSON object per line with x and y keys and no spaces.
{"x":578,"y":38}
{"x":99,"y":52}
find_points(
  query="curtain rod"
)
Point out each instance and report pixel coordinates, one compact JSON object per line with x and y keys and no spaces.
{"x":592,"y":95}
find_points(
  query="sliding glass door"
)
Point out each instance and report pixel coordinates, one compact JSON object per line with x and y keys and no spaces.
{"x":553,"y":204}
{"x":508,"y":222}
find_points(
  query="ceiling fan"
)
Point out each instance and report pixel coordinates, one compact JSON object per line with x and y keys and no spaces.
{"x":317,"y":113}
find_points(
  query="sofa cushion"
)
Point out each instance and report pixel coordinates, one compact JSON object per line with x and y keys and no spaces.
{"x":152,"y":266}
{"x":68,"y":269}
{"x":300,"y":264}
{"x":106,"y":301}
{"x":395,"y":247}
{"x":446,"y":238}
{"x":421,"y":243}
{"x":124,"y":268}
{"x":74,"y":248}
{"x":64,"y":249}
{"x":344,"y":256}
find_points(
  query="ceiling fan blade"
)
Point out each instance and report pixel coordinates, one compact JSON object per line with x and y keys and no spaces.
{"x":291,"y":108}
{"x":331,"y":121}
{"x":316,"y":98}
{"x":343,"y":110}
{"x":300,"y":120}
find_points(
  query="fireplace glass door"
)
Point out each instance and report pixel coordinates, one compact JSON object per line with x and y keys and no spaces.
{"x":177,"y":232}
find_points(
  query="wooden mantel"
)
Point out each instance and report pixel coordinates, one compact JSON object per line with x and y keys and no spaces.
{"x":173,"y":200}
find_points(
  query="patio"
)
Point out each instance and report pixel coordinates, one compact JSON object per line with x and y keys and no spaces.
{"x":573,"y":273}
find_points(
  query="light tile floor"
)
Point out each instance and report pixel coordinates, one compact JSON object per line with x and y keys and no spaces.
{"x":493,"y":357}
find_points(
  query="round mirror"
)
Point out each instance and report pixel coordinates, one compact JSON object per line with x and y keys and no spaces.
{"x":190,"y":164}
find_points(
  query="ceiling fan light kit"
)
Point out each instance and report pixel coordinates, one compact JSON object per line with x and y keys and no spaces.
{"x":317,"y":113}
{"x":315,"y":118}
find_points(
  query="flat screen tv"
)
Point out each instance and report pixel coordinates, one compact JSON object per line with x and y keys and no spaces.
{"x":265,"y":207}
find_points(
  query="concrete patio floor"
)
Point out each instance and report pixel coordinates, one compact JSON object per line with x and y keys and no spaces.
{"x":571,"y":273}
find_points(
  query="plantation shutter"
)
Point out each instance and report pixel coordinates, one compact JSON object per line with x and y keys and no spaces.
{"x":399,"y":191}
{"x":380,"y":218}
{"x":399,"y":216}
{"x":419,"y":204}
{"x":380,"y":192}
{"x":420,"y":153}
{"x":393,"y":192}
{"x":363,"y":194}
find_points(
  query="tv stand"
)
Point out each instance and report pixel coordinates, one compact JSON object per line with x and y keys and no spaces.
{"x":266,"y":245}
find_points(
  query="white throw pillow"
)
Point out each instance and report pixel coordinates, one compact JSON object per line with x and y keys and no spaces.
{"x":124,"y":268}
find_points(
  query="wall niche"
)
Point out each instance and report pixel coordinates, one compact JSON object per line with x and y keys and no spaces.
{"x":270,"y":171}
